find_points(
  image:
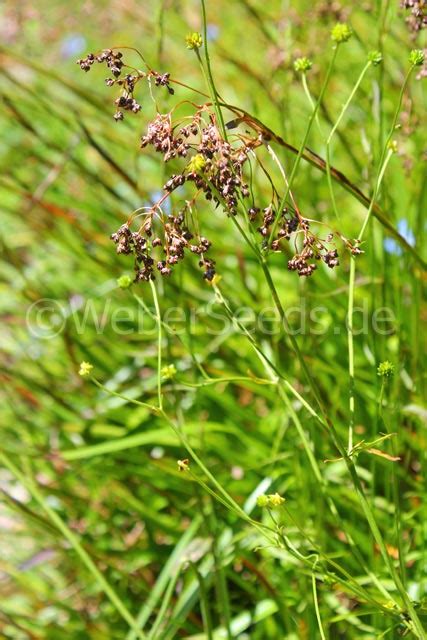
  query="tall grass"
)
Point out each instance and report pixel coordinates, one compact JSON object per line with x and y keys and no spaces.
{"x":246,"y":457}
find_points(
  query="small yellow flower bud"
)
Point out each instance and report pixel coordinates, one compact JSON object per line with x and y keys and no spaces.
{"x":302,"y":65}
{"x":85,"y":369}
{"x":392,"y":145}
{"x":262,"y":501}
{"x":196,"y":164}
{"x":194,"y":40}
{"x":341,"y":33}
{"x":416,"y":57}
{"x":168,"y":372}
{"x":385,"y":369}
{"x":375,"y":57}
{"x":275,"y":500}
{"x":124,"y":282}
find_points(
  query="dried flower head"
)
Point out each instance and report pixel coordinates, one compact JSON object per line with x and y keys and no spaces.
{"x":341,"y":32}
{"x":183,"y":465}
{"x":417,"y":19}
{"x":125,"y":77}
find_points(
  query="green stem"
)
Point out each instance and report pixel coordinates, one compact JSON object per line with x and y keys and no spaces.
{"x":385,"y":157}
{"x":119,"y":395}
{"x":211,"y":83}
{"x":304,"y":142}
{"x":325,"y":422}
{"x":350,"y":311}
{"x":316,"y":603}
{"x":153,"y":634}
{"x":310,"y":99}
{"x":223,"y":496}
{"x":384,"y":160}
{"x":204,"y":603}
{"x":334,"y":128}
{"x":220,"y":577}
{"x":78,"y":548}
{"x":229,"y":500}
{"x":159,"y":344}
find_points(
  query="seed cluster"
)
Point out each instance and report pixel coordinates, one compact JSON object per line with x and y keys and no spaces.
{"x":127,"y":242}
{"x":331,"y":10}
{"x":170,"y":249}
{"x":294,"y":226}
{"x":217,"y":167}
{"x":112,"y":59}
{"x":162,"y":80}
{"x":116,"y":66}
{"x":417,"y":20}
{"x":160,"y":134}
{"x":213,"y":167}
{"x":223,"y":169}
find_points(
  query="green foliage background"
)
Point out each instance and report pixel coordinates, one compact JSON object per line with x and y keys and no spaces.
{"x":69,"y":177}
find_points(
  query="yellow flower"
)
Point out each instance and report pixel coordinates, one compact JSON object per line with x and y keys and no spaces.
{"x":416,"y":57}
{"x":385,"y":369}
{"x":194,"y":40}
{"x":341,"y":33}
{"x":392,"y":145}
{"x":302,"y":65}
{"x":196,"y":164}
{"x":85,"y":369}
{"x":275,"y":500}
{"x":168,"y":372}
{"x":272,"y":500}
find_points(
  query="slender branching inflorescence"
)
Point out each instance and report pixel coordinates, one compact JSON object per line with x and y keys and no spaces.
{"x":215,"y":166}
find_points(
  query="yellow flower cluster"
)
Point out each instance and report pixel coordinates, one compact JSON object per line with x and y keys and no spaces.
{"x":194,"y":40}
{"x":271,"y":500}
